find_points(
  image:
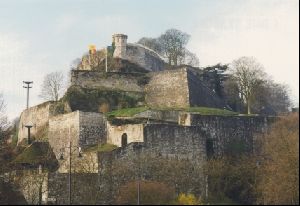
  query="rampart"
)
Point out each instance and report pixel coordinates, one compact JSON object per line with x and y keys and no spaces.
{"x":201,"y":95}
{"x":82,"y":129}
{"x":230,"y":133}
{"x":168,"y":89}
{"x":144,"y":57}
{"x":129,"y":132}
{"x":108,"y":81}
{"x":37,"y":116}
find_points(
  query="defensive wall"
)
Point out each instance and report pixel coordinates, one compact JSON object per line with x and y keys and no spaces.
{"x":107,"y":81}
{"x":37,"y":116}
{"x":144,"y":57}
{"x":179,"y":88}
{"x":229,"y":132}
{"x":82,"y":129}
{"x":168,"y":89}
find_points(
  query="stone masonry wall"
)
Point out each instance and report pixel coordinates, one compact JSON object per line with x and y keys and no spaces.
{"x":176,"y":141}
{"x":134,"y":133}
{"x":108,"y":81}
{"x":144,"y":57}
{"x":63,"y":129}
{"x":38,"y":116}
{"x":92,"y":129}
{"x":168,"y":89}
{"x":83,"y":129}
{"x":232,"y":132}
{"x":200,"y":95}
{"x":164,"y":148}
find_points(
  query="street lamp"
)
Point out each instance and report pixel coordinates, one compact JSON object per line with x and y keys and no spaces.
{"x":29,"y":126}
{"x":61,"y":157}
{"x":27,"y":83}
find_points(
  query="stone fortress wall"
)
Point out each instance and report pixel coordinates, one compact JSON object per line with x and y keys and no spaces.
{"x":106,"y":81}
{"x":82,"y":129}
{"x":144,"y":57}
{"x":168,"y":89}
{"x":199,"y":94}
{"x":232,"y":132}
{"x":37,"y":116}
{"x":137,"y":54}
{"x":186,"y":136}
{"x":132,"y":133}
{"x":181,"y":83}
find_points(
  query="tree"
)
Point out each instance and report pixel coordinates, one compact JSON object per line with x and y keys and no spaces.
{"x":248,"y":75}
{"x":272,"y":97}
{"x":173,"y":44}
{"x":151,"y":192}
{"x":278,"y":175}
{"x":3,"y":118}
{"x":189,"y":58}
{"x":231,"y":179}
{"x":188,"y":199}
{"x":52,"y":87}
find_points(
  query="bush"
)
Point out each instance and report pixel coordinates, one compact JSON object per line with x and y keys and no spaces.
{"x":151,"y":193}
{"x":187,"y":199}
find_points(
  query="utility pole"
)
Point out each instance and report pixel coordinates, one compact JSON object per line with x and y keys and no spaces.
{"x":27,"y":87}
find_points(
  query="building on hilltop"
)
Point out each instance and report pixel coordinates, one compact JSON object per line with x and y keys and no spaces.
{"x":134,"y":53}
{"x":178,"y":118}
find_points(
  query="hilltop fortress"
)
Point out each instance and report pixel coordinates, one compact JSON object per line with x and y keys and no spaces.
{"x":167,"y":120}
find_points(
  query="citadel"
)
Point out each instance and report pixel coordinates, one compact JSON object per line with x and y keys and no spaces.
{"x":166,"y":123}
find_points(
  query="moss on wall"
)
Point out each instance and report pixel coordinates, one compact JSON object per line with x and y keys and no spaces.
{"x":90,"y":100}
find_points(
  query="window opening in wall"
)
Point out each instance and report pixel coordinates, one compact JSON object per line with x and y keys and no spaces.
{"x":124,"y":140}
{"x":209,"y":148}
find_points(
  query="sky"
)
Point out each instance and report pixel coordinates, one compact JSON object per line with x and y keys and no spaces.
{"x":42,"y":36}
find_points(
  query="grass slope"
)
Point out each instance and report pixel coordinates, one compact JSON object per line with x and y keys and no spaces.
{"x":129,"y":112}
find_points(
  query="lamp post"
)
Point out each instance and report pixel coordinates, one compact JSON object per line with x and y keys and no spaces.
{"x":29,"y":127}
{"x":70,"y":165}
{"x":27,"y":87}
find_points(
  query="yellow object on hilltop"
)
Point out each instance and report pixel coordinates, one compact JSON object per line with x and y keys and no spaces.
{"x":92,"y":49}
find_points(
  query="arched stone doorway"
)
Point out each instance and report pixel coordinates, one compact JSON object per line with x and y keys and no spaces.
{"x":124,"y":140}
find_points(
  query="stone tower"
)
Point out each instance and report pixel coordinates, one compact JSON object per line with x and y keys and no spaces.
{"x":120,"y":41}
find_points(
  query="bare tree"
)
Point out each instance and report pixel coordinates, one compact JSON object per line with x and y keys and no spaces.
{"x":278,"y":174}
{"x":249,"y":75}
{"x":189,"y":58}
{"x":273,"y":96}
{"x":53,"y":86}
{"x":173,"y":44}
{"x":3,"y":117}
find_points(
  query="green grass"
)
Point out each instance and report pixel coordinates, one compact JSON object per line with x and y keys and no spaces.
{"x":128,"y":112}
{"x":200,"y":110}
{"x":35,"y":153}
{"x":101,"y":148}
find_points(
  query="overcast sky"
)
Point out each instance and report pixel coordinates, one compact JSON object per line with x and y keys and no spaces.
{"x":42,"y":36}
